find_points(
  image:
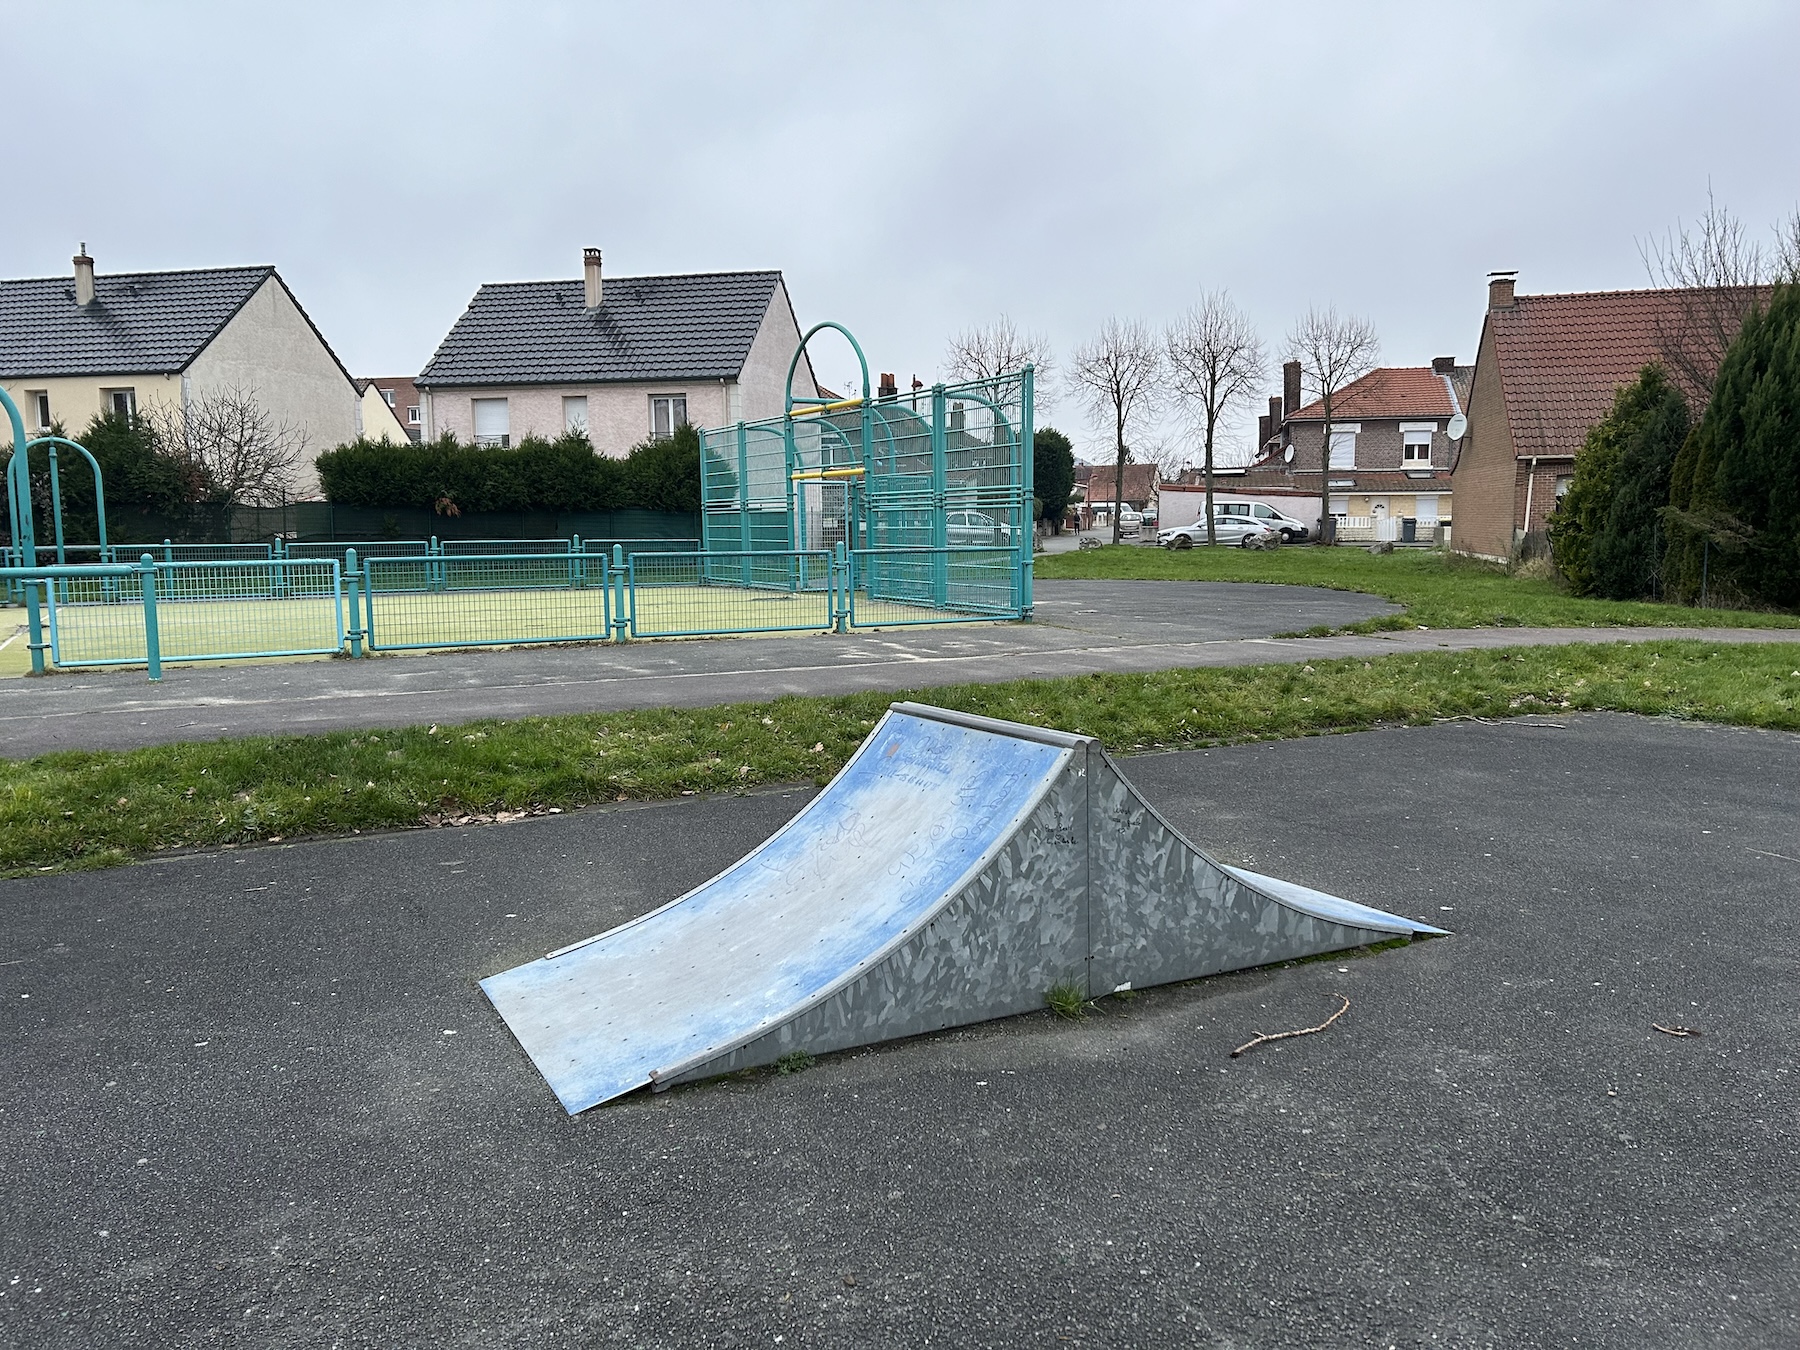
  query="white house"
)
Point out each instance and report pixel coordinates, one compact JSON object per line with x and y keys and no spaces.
{"x":71,"y":347}
{"x":621,"y":359}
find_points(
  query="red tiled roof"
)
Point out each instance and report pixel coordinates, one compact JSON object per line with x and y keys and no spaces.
{"x":1563,"y":357}
{"x":1140,"y":482}
{"x":1390,"y":391}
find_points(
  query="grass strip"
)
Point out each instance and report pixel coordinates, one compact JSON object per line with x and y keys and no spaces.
{"x":1438,"y":590}
{"x":85,"y":809}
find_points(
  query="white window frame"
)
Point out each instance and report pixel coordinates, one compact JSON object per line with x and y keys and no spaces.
{"x":388,"y":396}
{"x":668,"y":402}
{"x":413,"y":418}
{"x":1347,"y":431}
{"x":113,"y":397}
{"x":581,"y":425}
{"x":40,"y":404}
{"x":503,"y":439}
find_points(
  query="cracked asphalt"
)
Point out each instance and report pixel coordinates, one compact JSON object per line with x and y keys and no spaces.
{"x":255,"y":1097}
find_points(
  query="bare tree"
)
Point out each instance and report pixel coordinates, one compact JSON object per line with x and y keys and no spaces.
{"x":1333,"y":351}
{"x":1721,"y":274}
{"x":1000,"y":348}
{"x":1119,"y":374}
{"x":239,"y":454}
{"x":1215,"y":363}
{"x":1787,"y":250}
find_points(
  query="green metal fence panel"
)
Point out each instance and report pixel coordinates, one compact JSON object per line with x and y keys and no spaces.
{"x":434,"y":601}
{"x":365,"y":548}
{"x":206,"y":611}
{"x":944,"y":468}
{"x":693,"y":594}
{"x":890,"y":588}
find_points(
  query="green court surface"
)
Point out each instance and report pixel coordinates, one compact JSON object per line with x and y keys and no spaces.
{"x":424,"y":620}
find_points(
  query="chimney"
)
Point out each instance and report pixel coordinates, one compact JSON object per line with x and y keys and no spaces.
{"x":590,"y":278}
{"x":890,"y":387}
{"x":1290,"y":387}
{"x":1274,"y":417}
{"x":1500,"y":289}
{"x":84,"y":278}
{"x":1265,"y":428}
{"x":1443,"y":365}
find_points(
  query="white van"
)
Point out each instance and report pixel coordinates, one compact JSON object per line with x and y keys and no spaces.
{"x":1290,"y":530}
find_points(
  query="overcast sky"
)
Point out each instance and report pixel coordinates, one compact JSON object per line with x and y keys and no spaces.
{"x":912,"y":169}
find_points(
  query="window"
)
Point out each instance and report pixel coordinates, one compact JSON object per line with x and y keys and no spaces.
{"x":667,"y":411}
{"x":412,"y":414}
{"x":1340,"y":506}
{"x":493,"y":424}
{"x":1425,"y":508}
{"x":41,"y":401}
{"x":388,"y":394}
{"x":1563,"y":483}
{"x":575,"y":413}
{"x":1343,"y":449}
{"x":120,"y":401}
{"x":1418,"y":447}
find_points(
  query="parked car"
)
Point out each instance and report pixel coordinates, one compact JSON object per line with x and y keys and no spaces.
{"x":1130,"y":522}
{"x":965,"y":529}
{"x":1290,"y":530}
{"x":1244,"y":531}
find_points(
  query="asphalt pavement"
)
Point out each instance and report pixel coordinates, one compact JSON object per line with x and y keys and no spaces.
{"x":1081,"y":627}
{"x":255,"y":1097}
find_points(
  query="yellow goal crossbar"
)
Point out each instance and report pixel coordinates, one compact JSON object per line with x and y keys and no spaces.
{"x":839,"y":406}
{"x":812,"y":474}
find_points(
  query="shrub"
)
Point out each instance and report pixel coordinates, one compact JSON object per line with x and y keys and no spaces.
{"x":1607,"y":533}
{"x":448,"y":476}
{"x":1053,"y":473}
{"x":1734,"y":498}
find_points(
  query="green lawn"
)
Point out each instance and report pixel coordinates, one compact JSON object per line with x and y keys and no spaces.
{"x":1438,"y":590}
{"x":80,"y":809}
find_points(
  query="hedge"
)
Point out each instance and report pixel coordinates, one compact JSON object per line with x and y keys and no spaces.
{"x":449,"y":477}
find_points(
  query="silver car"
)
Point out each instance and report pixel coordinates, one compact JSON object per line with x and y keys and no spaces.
{"x":1244,"y":531}
{"x":963,"y":529}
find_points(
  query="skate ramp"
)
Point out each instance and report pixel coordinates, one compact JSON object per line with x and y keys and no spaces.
{"x":954,"y":871}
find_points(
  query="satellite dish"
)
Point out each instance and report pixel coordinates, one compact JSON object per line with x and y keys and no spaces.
{"x":1289,"y":456}
{"x":1458,"y":428}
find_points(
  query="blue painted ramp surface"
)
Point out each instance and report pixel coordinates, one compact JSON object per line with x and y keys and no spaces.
{"x":918,"y":810}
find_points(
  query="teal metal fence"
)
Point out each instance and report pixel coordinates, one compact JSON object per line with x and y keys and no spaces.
{"x":902,"y":587}
{"x":943,"y":469}
{"x":434,"y":601}
{"x":202,"y":611}
{"x":696,"y":594}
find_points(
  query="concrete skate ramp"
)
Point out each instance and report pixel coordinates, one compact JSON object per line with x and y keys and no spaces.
{"x":955,"y":870}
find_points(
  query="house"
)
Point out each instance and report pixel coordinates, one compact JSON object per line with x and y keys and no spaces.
{"x":1390,"y":456}
{"x":621,"y":359}
{"x":401,"y":397}
{"x":1546,"y":371}
{"x":1100,"y":485}
{"x":380,"y":418}
{"x":71,"y":347}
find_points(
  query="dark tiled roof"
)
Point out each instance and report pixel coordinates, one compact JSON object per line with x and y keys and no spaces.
{"x":1563,"y":357}
{"x":698,"y":326}
{"x":1391,"y":391}
{"x":140,"y":323}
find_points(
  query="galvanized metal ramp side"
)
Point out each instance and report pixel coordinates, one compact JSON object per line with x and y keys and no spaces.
{"x":954,"y":871}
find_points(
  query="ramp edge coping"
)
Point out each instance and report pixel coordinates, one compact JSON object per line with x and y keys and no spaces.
{"x":997,"y":726}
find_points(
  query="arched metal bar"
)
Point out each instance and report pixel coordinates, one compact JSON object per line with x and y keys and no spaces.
{"x":793,"y":365}
{"x":99,"y":488}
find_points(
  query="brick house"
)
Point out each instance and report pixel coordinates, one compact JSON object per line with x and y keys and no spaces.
{"x":620,"y":360}
{"x":1390,"y":455}
{"x":1100,"y":481}
{"x":1546,"y":371}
